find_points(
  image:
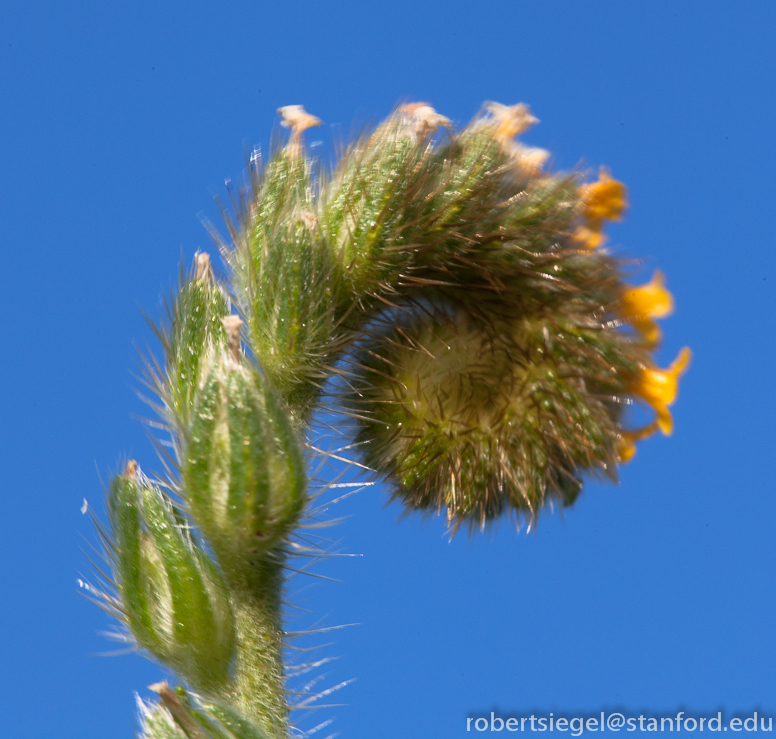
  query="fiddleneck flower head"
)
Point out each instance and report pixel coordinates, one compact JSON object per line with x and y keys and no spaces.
{"x":603,"y":200}
{"x":659,"y":388}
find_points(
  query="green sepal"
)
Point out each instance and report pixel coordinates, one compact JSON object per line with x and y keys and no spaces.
{"x":371,"y":198}
{"x":193,"y":332}
{"x":193,"y":717}
{"x":232,"y":721}
{"x":243,"y":469}
{"x":158,"y":723}
{"x":172,"y":596}
{"x":289,"y":287}
{"x":130,"y":563}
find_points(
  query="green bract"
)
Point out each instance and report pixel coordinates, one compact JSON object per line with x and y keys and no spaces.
{"x":190,"y":337}
{"x":183,"y":716}
{"x":172,"y":596}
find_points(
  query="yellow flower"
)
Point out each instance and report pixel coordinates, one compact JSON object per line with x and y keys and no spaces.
{"x":659,"y":388}
{"x":648,"y":301}
{"x":604,"y":200}
{"x":587,"y":238}
{"x":649,"y":330}
{"x":626,"y":444}
{"x":641,"y":305}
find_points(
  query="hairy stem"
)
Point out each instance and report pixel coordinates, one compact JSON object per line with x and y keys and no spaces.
{"x":256,"y":600}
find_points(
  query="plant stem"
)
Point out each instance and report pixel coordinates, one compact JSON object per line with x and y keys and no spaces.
{"x":256,"y":600}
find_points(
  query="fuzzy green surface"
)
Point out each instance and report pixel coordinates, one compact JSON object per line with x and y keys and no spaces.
{"x":191,"y":334}
{"x":481,"y":353}
{"x":257,"y":603}
{"x":286,"y":282}
{"x":172,"y":595}
{"x":243,"y":475}
{"x":197,"y":718}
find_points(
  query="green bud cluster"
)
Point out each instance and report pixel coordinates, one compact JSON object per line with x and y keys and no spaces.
{"x":197,"y":571}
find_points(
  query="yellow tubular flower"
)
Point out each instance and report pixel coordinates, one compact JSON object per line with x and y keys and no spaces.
{"x":649,"y":331}
{"x":626,"y":444}
{"x":588,"y":239}
{"x":659,"y":388}
{"x":604,"y":200}
{"x":648,"y":301}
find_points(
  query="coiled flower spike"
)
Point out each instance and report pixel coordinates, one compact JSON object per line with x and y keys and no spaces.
{"x":449,"y":294}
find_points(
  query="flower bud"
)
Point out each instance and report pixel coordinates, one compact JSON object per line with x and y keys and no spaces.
{"x":171,"y":595}
{"x":195,"y":329}
{"x":243,"y":467}
{"x":647,"y":301}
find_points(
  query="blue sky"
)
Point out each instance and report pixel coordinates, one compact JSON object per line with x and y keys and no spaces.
{"x":118,"y":123}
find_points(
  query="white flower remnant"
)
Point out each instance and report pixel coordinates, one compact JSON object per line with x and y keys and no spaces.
{"x":298,"y":120}
{"x":424,"y":120}
{"x":511,"y":121}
